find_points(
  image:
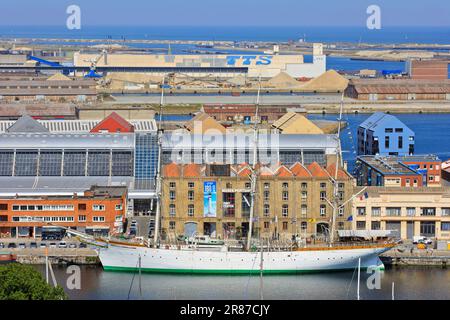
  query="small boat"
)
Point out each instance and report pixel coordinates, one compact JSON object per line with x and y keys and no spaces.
{"x":7,"y":257}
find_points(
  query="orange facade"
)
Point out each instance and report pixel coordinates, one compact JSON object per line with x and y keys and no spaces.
{"x":89,"y":211}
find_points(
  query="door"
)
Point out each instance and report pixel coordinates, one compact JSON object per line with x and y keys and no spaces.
{"x":394,"y":226}
{"x":190,"y":228}
{"x":410,"y":230}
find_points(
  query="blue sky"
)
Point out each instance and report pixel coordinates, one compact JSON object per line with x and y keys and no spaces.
{"x":226,"y":12}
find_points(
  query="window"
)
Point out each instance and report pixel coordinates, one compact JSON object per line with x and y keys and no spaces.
{"x":399,"y":130}
{"x":340,"y":225}
{"x":266,"y":225}
{"x":266,"y":210}
{"x":341,"y":212}
{"x":323,"y":185}
{"x":118,"y":207}
{"x":428,"y":212}
{"x":15,"y":208}
{"x":445,"y":226}
{"x":323,"y":195}
{"x":427,"y":228}
{"x":393,"y":212}
{"x":361,"y":211}
{"x":285,"y":210}
{"x":285,"y":225}
{"x":446,"y":212}
{"x":248,"y":185}
{"x":266,"y":185}
{"x":82,"y":206}
{"x":172,"y":210}
{"x":81,"y":218}
{"x":304,"y":195}
{"x":3,"y":206}
{"x":190,"y":210}
{"x":304,"y":185}
{"x":341,"y":185}
{"x":388,"y":130}
{"x":266,"y":195}
{"x":376,"y":225}
{"x":191,"y":195}
{"x":172,"y":225}
{"x":285,"y":195}
{"x":191,"y":185}
{"x":410,"y":211}
{"x":341,"y":195}
{"x":285,"y":185}
{"x":360,"y":225}
{"x":172,"y":195}
{"x":376,"y":211}
{"x":304,"y":209}
{"x":386,"y":142}
{"x":98,"y":207}
{"x":98,"y":219}
{"x":172,"y":185}
{"x":323,"y":210}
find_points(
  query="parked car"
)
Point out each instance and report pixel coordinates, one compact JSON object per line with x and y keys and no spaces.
{"x":72,"y":245}
{"x":52,"y":245}
{"x":12,"y":245}
{"x":22,"y":245}
{"x":83,"y":245}
{"x":2,"y":245}
{"x":43,"y":245}
{"x":62,"y":244}
{"x":33,"y":245}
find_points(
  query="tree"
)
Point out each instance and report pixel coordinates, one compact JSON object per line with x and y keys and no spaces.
{"x":23,"y":282}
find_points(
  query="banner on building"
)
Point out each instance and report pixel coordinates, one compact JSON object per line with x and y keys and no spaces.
{"x":209,"y":199}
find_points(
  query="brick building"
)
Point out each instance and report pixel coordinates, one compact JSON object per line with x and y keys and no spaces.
{"x":215,"y":200}
{"x":97,"y":210}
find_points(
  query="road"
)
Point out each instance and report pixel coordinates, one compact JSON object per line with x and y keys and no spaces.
{"x":226,"y":99}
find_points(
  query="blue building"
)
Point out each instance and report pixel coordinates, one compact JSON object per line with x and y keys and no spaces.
{"x":383,"y":134}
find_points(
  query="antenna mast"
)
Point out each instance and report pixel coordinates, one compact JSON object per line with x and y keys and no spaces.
{"x":158,"y":170}
{"x":335,"y":181}
{"x":253,"y":175}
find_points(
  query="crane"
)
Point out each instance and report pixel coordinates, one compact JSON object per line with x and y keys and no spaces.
{"x":92,"y":73}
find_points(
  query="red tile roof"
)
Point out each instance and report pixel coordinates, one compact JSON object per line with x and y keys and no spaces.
{"x":171,"y":170}
{"x":299,"y":170}
{"x":317,"y":171}
{"x":284,"y":172}
{"x":191,"y":170}
{"x":113,"y":123}
{"x":341,"y":173}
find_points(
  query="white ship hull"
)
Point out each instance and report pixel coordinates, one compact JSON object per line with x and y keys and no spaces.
{"x":120,"y":258}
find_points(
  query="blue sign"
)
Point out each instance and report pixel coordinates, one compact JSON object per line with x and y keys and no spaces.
{"x":209,"y":199}
{"x":247,"y":60}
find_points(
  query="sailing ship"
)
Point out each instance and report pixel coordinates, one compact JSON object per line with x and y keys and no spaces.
{"x":333,"y":256}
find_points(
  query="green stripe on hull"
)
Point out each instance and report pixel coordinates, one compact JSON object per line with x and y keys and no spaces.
{"x":221,"y":272}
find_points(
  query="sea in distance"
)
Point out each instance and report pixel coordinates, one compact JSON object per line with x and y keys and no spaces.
{"x":96,"y":284}
{"x":387,"y":35}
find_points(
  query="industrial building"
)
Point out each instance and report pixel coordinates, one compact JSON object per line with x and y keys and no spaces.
{"x":398,"y":89}
{"x":215,"y":200}
{"x":428,"y":69}
{"x":226,"y":66}
{"x":98,"y":210}
{"x":408,"y":210}
{"x":66,"y":157}
{"x":384,"y":134}
{"x":80,"y":90}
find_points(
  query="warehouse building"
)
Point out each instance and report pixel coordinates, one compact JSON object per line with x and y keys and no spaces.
{"x":80,"y":90}
{"x":428,"y":69}
{"x":215,"y":200}
{"x":398,"y":89}
{"x":225,"y":66}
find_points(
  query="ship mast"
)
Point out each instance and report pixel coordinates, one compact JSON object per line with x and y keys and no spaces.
{"x":335,"y":181}
{"x":253,"y":175}
{"x":158,"y":170}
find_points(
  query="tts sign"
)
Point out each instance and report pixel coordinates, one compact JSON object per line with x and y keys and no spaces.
{"x":248,"y":60}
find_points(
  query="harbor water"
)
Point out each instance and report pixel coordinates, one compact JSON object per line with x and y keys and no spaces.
{"x":410,"y":283}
